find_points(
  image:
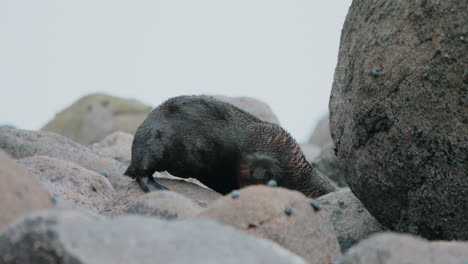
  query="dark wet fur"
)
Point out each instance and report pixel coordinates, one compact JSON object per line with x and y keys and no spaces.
{"x":222,"y":146}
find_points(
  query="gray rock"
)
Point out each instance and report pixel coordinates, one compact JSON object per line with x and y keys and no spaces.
{"x":321,"y":134}
{"x":166,"y":205}
{"x":329,"y":165}
{"x":251,"y":105}
{"x":71,"y":185}
{"x":127,"y":197}
{"x":399,"y":116}
{"x":95,"y":116}
{"x":20,"y":192}
{"x":117,"y":145}
{"x":281,"y":215}
{"x":78,"y":237}
{"x":24,"y":143}
{"x":393,"y":248}
{"x":351,"y":221}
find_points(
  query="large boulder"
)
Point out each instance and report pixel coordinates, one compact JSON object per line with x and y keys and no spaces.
{"x":20,"y":192}
{"x":95,"y":116}
{"x":117,"y":145}
{"x":321,"y":134}
{"x":129,"y":196}
{"x":351,"y":221}
{"x":24,"y":143}
{"x":166,"y":205}
{"x":283,"y":216}
{"x":393,"y":248}
{"x":79,"y":238}
{"x":398,"y":113}
{"x":251,"y":105}
{"x":70,"y":184}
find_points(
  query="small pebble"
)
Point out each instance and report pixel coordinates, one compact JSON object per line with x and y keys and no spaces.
{"x":375,"y":73}
{"x":53,"y":199}
{"x":104,"y":173}
{"x":272,"y":183}
{"x":288,"y":211}
{"x":410,"y":155}
{"x":316,"y":205}
{"x":235,"y":194}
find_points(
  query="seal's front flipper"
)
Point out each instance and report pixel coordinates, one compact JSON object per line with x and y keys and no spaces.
{"x":149,"y":184}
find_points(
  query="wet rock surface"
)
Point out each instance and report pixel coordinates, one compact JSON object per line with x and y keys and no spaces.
{"x":398,"y":113}
{"x":95,"y":116}
{"x":351,"y":221}
{"x":70,"y":185}
{"x":25,"y":143}
{"x":20,"y":192}
{"x":393,"y":248}
{"x":79,"y":237}
{"x":283,"y":216}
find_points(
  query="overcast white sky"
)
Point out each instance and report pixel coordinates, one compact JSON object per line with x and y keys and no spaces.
{"x":282,"y":52}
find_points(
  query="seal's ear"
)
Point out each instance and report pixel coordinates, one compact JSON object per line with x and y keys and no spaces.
{"x":259,"y":168}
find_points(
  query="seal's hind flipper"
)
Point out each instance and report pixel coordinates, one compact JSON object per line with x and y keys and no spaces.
{"x":149,"y":184}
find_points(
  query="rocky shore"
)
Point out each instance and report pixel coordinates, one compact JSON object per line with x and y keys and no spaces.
{"x":395,"y":141}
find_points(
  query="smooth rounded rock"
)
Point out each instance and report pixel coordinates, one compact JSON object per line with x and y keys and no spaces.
{"x":117,"y":146}
{"x":71,"y":185}
{"x":351,"y":221}
{"x":75,"y":237}
{"x":165,"y":205}
{"x":26,"y":143}
{"x":393,"y":248}
{"x":281,"y":215}
{"x":131,"y":193}
{"x":401,"y":134}
{"x":20,"y":192}
{"x":93,"y":117}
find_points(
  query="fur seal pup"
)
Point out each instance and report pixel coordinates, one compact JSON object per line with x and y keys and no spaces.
{"x":222,"y":146}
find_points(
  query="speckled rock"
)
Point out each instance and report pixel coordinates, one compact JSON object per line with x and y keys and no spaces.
{"x":71,"y":185}
{"x":20,"y":192}
{"x":393,"y":248}
{"x":399,"y":115}
{"x":127,"y":196}
{"x":24,"y":143}
{"x":74,"y":237}
{"x":166,"y":205}
{"x":329,"y":165}
{"x":117,"y":146}
{"x":251,"y":105}
{"x":95,"y":116}
{"x":283,"y":216}
{"x":351,"y":221}
{"x":321,"y":134}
